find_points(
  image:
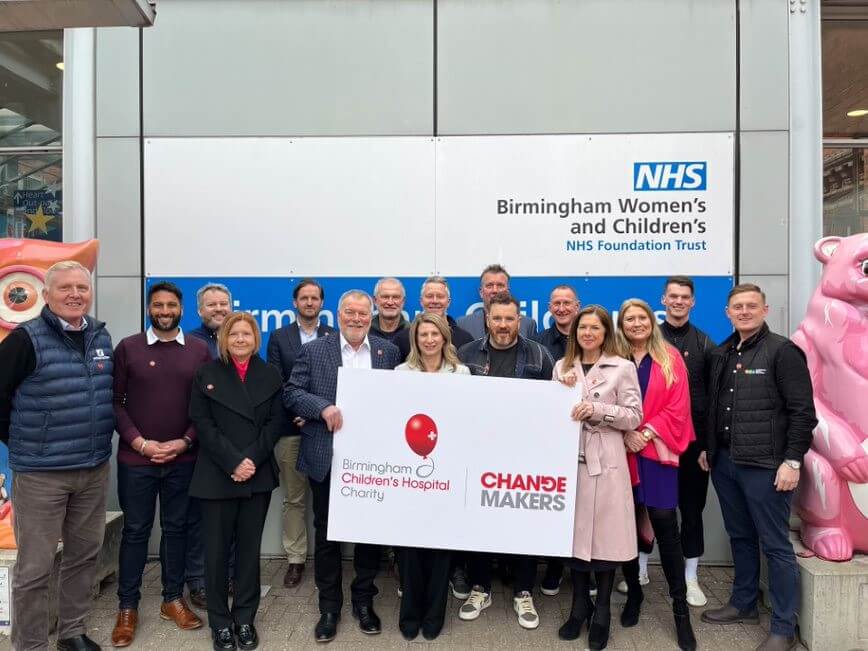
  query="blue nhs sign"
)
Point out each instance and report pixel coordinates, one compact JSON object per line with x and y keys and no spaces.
{"x":669,"y":175}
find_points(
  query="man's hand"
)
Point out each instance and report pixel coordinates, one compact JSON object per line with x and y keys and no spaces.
{"x":167,"y":451}
{"x":634,"y":441}
{"x":333,"y":418}
{"x":786,"y":478}
{"x":582,"y":411}
{"x":703,"y":461}
{"x":244,"y":471}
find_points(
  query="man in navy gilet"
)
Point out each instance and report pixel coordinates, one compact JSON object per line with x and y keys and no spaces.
{"x":56,"y":417}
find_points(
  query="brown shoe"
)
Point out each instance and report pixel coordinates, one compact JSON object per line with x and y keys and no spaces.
{"x":178,"y":612}
{"x":125,"y":627}
{"x":293,"y":575}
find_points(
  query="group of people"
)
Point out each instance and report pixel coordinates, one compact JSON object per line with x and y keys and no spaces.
{"x":211,"y":429}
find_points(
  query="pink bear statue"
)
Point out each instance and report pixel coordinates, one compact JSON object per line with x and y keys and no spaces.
{"x":833,"y":495}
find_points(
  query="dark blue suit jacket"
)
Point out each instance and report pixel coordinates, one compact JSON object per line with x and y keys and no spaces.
{"x":283,"y":347}
{"x":312,"y":387}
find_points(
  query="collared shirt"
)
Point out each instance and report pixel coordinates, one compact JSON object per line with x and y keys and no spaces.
{"x":306,"y":337}
{"x":352,"y":358}
{"x":153,"y":338}
{"x":71,"y":328}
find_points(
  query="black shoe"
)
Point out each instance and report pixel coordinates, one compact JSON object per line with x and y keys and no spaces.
{"x":223,"y":639}
{"x":775,"y":642}
{"x":572,"y":628}
{"x":409,"y":632}
{"x":198,"y":598}
{"x":247,"y":636}
{"x":78,"y":643}
{"x":729,"y":614}
{"x":630,"y":614}
{"x":458,"y":583}
{"x":551,"y":584}
{"x":369,"y":622}
{"x":431,"y":632}
{"x":327,"y":627}
{"x":684,"y":632}
{"x":598,"y":636}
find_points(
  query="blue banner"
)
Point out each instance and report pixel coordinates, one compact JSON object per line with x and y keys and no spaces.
{"x":269,"y":299}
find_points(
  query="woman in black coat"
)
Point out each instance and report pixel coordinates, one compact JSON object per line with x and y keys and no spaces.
{"x":236,"y":407}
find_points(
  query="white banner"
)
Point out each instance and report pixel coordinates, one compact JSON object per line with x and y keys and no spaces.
{"x":454,"y":462}
{"x":556,"y":205}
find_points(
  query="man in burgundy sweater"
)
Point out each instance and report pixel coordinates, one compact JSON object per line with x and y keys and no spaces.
{"x":153,"y":376}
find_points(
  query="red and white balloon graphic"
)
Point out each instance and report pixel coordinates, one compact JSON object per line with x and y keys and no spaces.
{"x":421,"y":434}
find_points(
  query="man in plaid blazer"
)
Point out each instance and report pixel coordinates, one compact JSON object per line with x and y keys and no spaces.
{"x":310,"y":394}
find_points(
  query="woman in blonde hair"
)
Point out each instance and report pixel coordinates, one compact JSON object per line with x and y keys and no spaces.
{"x":237,"y":409}
{"x":654,"y":447}
{"x":424,"y":573}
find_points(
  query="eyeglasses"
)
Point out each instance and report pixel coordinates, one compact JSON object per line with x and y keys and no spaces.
{"x":356,"y":314}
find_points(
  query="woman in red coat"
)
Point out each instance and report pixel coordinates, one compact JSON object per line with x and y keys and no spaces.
{"x":654,"y":447}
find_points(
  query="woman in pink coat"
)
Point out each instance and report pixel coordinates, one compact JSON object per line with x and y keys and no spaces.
{"x":605,"y":523}
{"x":665,"y":432}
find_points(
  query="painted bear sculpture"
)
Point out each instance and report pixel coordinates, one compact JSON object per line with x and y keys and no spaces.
{"x":832,"y":500}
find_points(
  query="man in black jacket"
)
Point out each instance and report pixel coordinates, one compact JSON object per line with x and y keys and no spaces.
{"x":695,"y":348}
{"x":434,"y":298}
{"x":760,"y":422}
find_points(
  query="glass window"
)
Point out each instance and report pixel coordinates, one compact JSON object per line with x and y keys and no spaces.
{"x":845,"y":191}
{"x":845,"y":78}
{"x":31,"y":116}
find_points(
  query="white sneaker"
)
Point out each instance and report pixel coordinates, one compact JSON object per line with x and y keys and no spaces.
{"x":523,"y":606}
{"x":475,"y":604}
{"x":695,"y":595}
{"x":643,"y":580}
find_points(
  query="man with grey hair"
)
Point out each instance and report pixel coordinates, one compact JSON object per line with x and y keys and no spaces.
{"x":493,"y":280}
{"x":56,"y":417}
{"x":214,"y":303}
{"x":434,"y":297}
{"x":389,"y":296}
{"x":310,"y":394}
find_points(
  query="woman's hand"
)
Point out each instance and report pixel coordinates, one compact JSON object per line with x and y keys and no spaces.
{"x":568,"y":379}
{"x":634,"y":441}
{"x":244,"y":471}
{"x":582,"y":411}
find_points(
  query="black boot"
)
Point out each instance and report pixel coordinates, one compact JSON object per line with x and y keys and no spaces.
{"x":635,"y":596}
{"x":683,"y":629}
{"x":598,"y":636}
{"x":582,"y":609}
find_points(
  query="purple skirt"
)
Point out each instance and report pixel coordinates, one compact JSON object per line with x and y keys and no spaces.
{"x":658,"y":484}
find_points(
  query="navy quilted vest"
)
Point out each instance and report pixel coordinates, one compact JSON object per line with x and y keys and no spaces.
{"x":62,"y":416}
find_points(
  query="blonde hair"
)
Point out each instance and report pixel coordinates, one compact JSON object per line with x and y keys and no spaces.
{"x":226,"y":326}
{"x":450,"y":357}
{"x":66,"y":265}
{"x":657,"y":346}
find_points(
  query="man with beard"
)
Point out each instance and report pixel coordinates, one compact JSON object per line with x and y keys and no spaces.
{"x":283,"y":348}
{"x":156,"y":453}
{"x":214,"y":303}
{"x":503,"y":352}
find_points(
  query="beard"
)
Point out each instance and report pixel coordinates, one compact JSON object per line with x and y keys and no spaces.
{"x":155,"y":324}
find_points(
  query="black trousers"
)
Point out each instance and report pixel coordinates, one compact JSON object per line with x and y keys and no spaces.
{"x":692,"y":493}
{"x":240,"y":519}
{"x":665,"y":525}
{"x":327,"y":559}
{"x":425,"y":588}
{"x":523,"y":567}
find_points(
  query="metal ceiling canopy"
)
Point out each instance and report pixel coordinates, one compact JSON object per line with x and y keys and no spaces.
{"x":31,"y":15}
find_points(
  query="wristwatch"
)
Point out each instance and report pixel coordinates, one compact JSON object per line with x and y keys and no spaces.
{"x":792,"y":463}
{"x":188,"y":441}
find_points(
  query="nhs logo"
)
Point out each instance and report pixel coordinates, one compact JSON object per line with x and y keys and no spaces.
{"x":669,"y":175}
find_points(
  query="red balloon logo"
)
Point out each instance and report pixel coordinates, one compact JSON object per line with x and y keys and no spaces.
{"x":421,"y":434}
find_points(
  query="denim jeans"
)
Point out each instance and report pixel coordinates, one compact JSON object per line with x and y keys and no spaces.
{"x":754,"y":514}
{"x":138,"y":490}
